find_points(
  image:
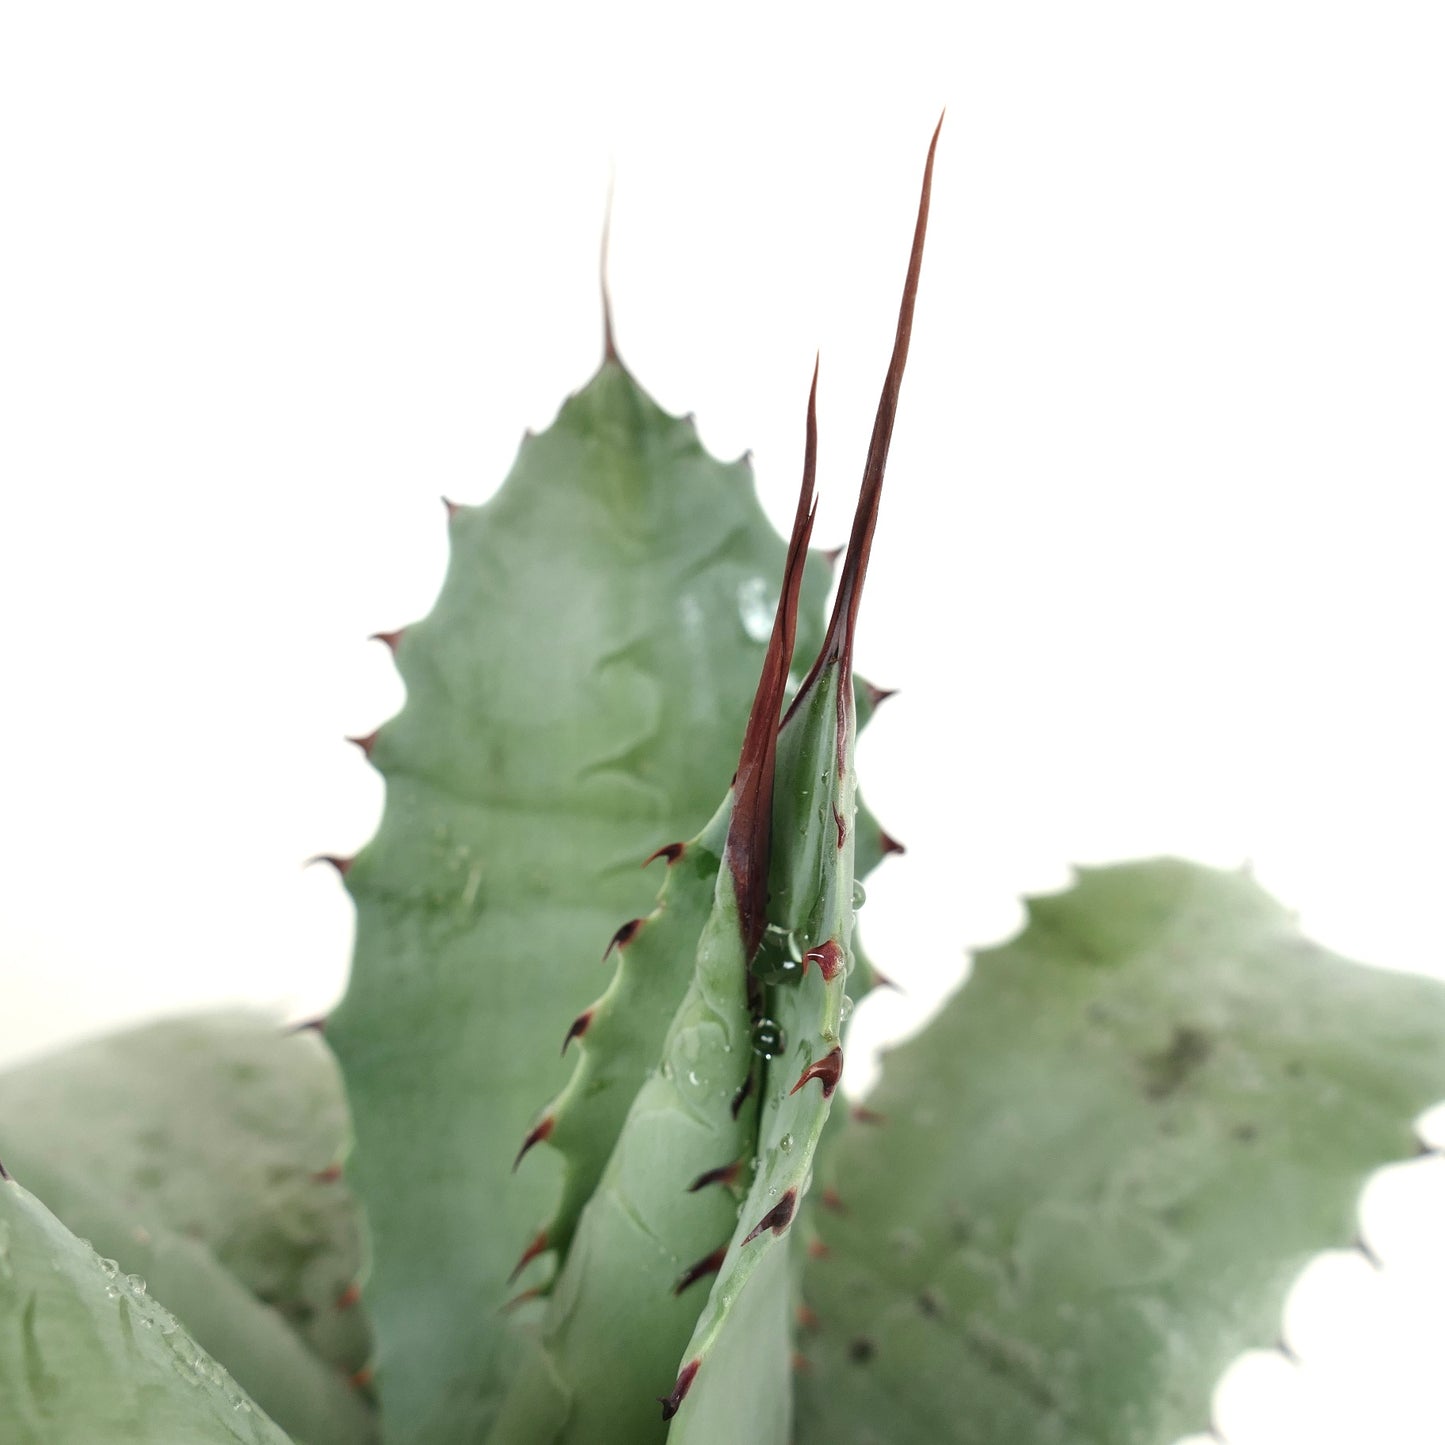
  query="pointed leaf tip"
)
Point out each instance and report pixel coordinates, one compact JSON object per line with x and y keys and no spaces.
{"x":749,"y":834}
{"x":838,"y":644}
{"x":609,"y":340}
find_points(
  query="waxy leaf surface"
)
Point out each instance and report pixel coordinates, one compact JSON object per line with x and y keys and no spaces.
{"x":1097,"y":1173}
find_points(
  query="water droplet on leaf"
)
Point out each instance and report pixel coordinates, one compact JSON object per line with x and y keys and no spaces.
{"x":768,"y":1038}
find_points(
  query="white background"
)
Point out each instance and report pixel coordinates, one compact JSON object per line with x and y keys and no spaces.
{"x":1158,"y":566}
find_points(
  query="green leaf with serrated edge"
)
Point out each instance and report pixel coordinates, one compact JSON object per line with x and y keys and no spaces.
{"x":619,"y":1036}
{"x":573,"y":700}
{"x":811,"y":899}
{"x":624,"y":1302}
{"x":221,"y":1128}
{"x":86,"y":1356}
{"x":1102,"y":1167}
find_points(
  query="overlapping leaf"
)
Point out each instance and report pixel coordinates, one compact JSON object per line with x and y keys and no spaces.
{"x":1102,"y":1166}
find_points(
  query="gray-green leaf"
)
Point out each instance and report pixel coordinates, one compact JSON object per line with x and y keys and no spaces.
{"x":1102,"y":1167}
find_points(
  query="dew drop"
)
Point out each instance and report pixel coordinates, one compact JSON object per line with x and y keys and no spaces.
{"x":755,"y":608}
{"x":136,"y":1283}
{"x":109,"y":1268}
{"x":768,"y":1038}
{"x":786,"y":1143}
{"x":845,"y":1009}
{"x":860,"y":896}
{"x":692,"y":1078}
{"x":112,"y":1291}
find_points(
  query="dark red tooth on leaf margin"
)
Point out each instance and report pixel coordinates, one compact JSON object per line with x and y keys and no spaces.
{"x":342,"y":865}
{"x":518,"y":1300}
{"x":538,"y":1246}
{"x":672,"y":1403}
{"x":827,"y":1070}
{"x":541,"y":1132}
{"x":741,"y":1097}
{"x":709,"y":1264}
{"x":778,"y":1218}
{"x":364,"y":743}
{"x":623,"y":936}
{"x":579,"y":1027}
{"x":671,"y":851}
{"x":723,"y":1174}
{"x":889,"y":843}
{"x":829,"y":958}
{"x":392,"y":639}
{"x":831,"y":1200}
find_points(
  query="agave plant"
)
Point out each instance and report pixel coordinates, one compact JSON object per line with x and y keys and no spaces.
{"x":511,"y":1194}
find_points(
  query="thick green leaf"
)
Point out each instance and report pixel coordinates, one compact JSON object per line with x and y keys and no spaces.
{"x":87,"y":1356}
{"x":574,"y":701}
{"x":200,"y":1153}
{"x":1102,"y":1167}
{"x":626,"y":1298}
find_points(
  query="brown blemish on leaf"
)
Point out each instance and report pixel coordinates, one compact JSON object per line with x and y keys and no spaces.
{"x":1167,"y":1071}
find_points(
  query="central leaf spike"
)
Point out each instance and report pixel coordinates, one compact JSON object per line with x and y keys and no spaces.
{"x":749,"y":844}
